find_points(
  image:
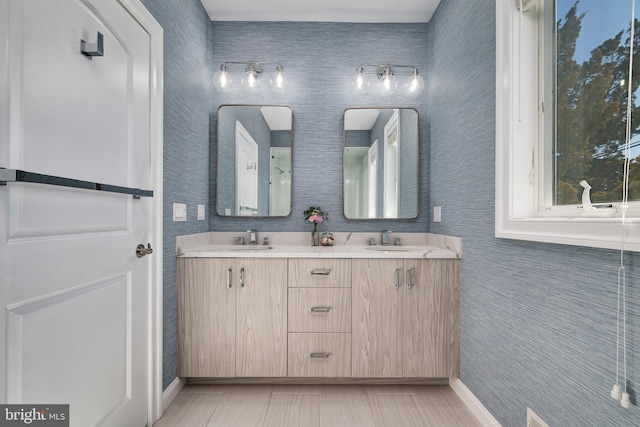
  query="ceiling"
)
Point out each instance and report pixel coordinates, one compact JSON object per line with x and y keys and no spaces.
{"x":374,"y":11}
{"x":360,"y":118}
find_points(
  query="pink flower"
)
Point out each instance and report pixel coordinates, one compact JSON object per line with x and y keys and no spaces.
{"x":316,"y":218}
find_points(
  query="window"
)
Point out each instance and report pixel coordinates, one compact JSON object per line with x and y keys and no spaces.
{"x":591,"y":58}
{"x":561,"y":100}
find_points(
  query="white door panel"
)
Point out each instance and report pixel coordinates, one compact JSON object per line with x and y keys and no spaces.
{"x":72,"y":289}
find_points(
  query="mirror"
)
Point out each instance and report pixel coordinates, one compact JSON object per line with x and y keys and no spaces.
{"x":254,"y":160}
{"x":380,"y":163}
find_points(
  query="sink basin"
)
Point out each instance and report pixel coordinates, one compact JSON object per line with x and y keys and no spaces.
{"x":391,"y":248}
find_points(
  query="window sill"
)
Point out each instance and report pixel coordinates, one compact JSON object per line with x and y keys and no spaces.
{"x":604,"y":233}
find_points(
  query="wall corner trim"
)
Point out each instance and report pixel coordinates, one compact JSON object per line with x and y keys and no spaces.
{"x":172,"y":391}
{"x":477,"y":408}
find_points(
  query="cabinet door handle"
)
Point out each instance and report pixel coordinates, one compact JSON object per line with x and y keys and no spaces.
{"x":321,"y":272}
{"x":242,"y":277}
{"x":320,"y":309}
{"x":398,"y":278}
{"x":229,"y":277}
{"x":410,"y":284}
{"x":325,"y":355}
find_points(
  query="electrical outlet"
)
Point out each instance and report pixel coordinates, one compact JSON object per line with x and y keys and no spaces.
{"x":179,"y":212}
{"x":437,"y":214}
{"x":200,"y":212}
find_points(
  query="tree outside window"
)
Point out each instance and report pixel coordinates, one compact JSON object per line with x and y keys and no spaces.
{"x":591,"y":100}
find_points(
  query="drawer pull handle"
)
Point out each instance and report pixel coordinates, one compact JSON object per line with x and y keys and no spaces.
{"x":320,"y":309}
{"x":229,"y":277}
{"x":321,"y":272}
{"x":397,"y":278}
{"x":242,"y":277}
{"x":410,"y":271}
{"x":324,"y":355}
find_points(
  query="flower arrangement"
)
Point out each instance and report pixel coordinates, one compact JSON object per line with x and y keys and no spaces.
{"x":315,"y":215}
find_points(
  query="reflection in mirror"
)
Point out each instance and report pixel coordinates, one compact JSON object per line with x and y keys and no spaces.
{"x":380,"y":162}
{"x":254,"y":160}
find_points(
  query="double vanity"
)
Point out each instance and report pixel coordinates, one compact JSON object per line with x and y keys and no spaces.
{"x":288,"y":311}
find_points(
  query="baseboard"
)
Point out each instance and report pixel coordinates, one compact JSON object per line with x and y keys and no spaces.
{"x":318,"y":380}
{"x":171,"y":392}
{"x":472,"y":402}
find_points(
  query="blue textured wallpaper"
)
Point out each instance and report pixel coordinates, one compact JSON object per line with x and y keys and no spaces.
{"x":537,"y":320}
{"x":187,"y":109}
{"x":320,"y":60}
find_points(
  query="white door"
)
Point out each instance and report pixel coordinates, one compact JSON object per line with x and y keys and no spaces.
{"x":372,"y":171}
{"x":391,"y":167}
{"x":73,"y":294}
{"x":246,"y":172}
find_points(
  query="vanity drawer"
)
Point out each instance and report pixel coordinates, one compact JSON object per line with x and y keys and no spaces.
{"x":319,"y":355}
{"x":319,"y":310}
{"x":319,"y":273}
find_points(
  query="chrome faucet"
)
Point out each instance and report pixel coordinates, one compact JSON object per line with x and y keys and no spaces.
{"x":253,"y":237}
{"x":385,"y":238}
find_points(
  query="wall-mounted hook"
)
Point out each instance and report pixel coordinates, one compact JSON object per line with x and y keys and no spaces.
{"x":92,"y":49}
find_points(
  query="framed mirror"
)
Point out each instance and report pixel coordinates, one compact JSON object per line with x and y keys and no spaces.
{"x":380,"y":163}
{"x":254,"y":160}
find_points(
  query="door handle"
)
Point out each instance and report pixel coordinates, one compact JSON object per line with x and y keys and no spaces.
{"x":142,"y":251}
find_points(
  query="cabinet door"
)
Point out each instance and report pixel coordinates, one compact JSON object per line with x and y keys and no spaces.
{"x":377,"y":318}
{"x":261,"y":345}
{"x":431,"y":332}
{"x":206,"y":317}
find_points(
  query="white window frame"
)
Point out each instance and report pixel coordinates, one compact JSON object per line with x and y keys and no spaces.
{"x":520,"y":209}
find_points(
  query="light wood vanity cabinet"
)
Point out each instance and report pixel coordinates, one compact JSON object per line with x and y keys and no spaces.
{"x":319,"y":318}
{"x":406,"y":318}
{"x":232,"y":317}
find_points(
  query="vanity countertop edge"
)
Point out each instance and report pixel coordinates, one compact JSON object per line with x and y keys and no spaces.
{"x":292,"y":245}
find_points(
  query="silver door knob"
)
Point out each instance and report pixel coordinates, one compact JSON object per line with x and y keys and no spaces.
{"x":142,"y":251}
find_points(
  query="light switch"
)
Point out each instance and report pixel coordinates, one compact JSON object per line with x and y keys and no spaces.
{"x":179,"y":212}
{"x":437,"y":214}
{"x":227,"y":211}
{"x":200,"y":212}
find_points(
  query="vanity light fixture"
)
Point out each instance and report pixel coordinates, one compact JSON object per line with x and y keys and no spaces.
{"x":387,"y":81}
{"x":251,"y":78}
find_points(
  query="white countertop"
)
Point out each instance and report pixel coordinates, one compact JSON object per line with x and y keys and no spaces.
{"x":217,"y":245}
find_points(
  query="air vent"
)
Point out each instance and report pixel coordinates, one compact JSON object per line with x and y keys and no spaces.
{"x":533,"y":420}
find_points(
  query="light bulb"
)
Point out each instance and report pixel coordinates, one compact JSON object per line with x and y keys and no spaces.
{"x":278,"y":81}
{"x":360,"y":82}
{"x":388,"y":83}
{"x":221,"y":79}
{"x":414,"y":84}
{"x":251,"y":78}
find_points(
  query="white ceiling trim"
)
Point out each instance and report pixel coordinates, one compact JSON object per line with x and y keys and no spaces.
{"x":371,"y":11}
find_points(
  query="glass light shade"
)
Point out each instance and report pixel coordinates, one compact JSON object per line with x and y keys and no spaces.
{"x":388,"y":83}
{"x":278,"y":81}
{"x":222,"y":79}
{"x":251,"y":78}
{"x":360,"y":83}
{"x":414,"y":84}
